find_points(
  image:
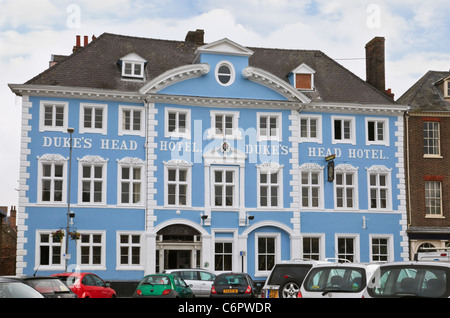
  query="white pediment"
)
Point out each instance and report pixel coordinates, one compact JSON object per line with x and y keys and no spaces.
{"x":133,"y":57}
{"x":224,"y":46}
{"x":224,"y":154}
{"x":303,"y":69}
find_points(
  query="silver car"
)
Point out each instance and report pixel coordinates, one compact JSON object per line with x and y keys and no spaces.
{"x":199,"y":280}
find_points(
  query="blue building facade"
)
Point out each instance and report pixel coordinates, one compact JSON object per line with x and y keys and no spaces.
{"x":218,"y":163}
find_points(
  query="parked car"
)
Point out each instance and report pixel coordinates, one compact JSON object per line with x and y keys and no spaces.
{"x":163,"y":285}
{"x":87,"y":285}
{"x":199,"y":280}
{"x":337,"y":280}
{"x":441,"y":254}
{"x":233,"y":285}
{"x":286,"y":277}
{"x":10,"y":288}
{"x":410,"y":279}
{"x":49,"y":287}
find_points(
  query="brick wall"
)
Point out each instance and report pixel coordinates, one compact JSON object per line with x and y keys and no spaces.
{"x":421,"y":169}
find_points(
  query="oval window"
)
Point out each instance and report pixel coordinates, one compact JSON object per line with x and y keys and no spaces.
{"x":225,"y":73}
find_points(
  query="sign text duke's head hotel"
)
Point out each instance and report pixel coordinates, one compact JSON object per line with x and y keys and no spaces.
{"x":180,"y":149}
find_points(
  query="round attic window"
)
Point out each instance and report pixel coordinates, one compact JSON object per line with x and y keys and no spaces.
{"x":225,"y":73}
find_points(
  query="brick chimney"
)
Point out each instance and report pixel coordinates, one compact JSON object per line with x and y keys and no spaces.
{"x":375,"y":63}
{"x":78,"y":42}
{"x":196,"y":37}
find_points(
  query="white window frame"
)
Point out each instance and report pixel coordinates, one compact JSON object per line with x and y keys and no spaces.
{"x":309,"y":169}
{"x":224,"y":241}
{"x":378,"y":171}
{"x":129,"y":266}
{"x":92,"y":161}
{"x":52,"y":159}
{"x":346,"y":169}
{"x":352,"y":138}
{"x":53,"y":127}
{"x":440,"y":199}
{"x":278,"y":129}
{"x":177,"y":165}
{"x":133,"y":70}
{"x":132,"y":109}
{"x":385,"y":124}
{"x":321,"y":238}
{"x":232,"y":73}
{"x":104,"y":129}
{"x":131,"y":163}
{"x":270,"y":168}
{"x":308,"y":138}
{"x":177,"y":133}
{"x":38,"y":244}
{"x":235,"y":134}
{"x":438,"y":146}
{"x":235,"y":184}
{"x":390,"y":246}
{"x":80,"y":244}
{"x":277,"y":237}
{"x":356,"y":244}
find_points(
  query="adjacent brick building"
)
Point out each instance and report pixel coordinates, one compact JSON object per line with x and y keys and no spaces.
{"x":427,"y":153}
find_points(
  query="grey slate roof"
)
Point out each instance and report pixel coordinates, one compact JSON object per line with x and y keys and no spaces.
{"x":94,"y":66}
{"x":425,"y":95}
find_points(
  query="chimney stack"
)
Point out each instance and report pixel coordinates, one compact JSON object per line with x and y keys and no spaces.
{"x":78,"y":42}
{"x":196,"y":37}
{"x":375,"y":63}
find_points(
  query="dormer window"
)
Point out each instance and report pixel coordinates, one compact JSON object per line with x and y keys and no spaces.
{"x":132,"y":66}
{"x":303,"y":77}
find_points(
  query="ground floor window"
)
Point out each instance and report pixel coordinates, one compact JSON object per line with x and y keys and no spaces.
{"x":49,"y":250}
{"x":91,"y":250}
{"x":223,"y":256}
{"x":129,"y":250}
{"x":311,"y":248}
{"x":380,"y":249}
{"x":346,"y":248}
{"x":266,"y":251}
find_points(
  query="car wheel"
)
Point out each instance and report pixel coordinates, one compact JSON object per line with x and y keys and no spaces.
{"x":290,"y":289}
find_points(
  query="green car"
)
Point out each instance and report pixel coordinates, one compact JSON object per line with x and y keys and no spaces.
{"x":163,"y":285}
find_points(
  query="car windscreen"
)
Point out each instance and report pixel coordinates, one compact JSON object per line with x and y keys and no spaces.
{"x":48,"y":285}
{"x":412,"y":280}
{"x":68,"y":280}
{"x":281,"y":272}
{"x":335,"y":279}
{"x":155,"y":280}
{"x":231,"y":280}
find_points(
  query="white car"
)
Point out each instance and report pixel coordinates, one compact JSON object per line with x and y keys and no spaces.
{"x":199,"y":280}
{"x":286,"y":278}
{"x":410,"y":279}
{"x":337,"y":280}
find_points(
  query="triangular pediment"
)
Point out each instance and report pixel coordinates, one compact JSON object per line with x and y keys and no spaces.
{"x":224,"y":154}
{"x":303,"y":69}
{"x":225,"y":46}
{"x":133,"y":57}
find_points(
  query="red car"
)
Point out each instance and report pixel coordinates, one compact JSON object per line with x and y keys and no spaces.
{"x":87,"y":285}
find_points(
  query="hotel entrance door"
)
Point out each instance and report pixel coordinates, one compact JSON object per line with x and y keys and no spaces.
{"x":177,"y":259}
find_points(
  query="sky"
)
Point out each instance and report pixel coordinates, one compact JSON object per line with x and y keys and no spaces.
{"x":417,"y":37}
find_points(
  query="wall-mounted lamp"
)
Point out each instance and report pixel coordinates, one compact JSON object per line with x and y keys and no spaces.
{"x":250,"y":218}
{"x":71,"y":217}
{"x":202,"y":218}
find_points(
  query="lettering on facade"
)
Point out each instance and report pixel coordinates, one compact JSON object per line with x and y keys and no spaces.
{"x":353,"y":153}
{"x":88,"y":143}
{"x":263,"y":149}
